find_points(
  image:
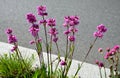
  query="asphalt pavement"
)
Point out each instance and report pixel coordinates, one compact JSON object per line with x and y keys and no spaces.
{"x":91,"y":13}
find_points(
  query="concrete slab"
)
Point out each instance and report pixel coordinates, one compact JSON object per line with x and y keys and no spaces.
{"x":87,"y":71}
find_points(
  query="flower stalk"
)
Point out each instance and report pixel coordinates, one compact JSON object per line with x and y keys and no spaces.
{"x":89,"y":51}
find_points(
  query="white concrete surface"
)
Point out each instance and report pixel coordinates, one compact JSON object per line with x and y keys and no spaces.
{"x":87,"y":70}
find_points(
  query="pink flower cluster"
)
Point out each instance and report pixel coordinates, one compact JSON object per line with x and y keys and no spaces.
{"x":42,"y":10}
{"x":113,"y":51}
{"x":34,"y":29}
{"x":70,"y":23}
{"x":71,"y":38}
{"x":99,"y":63}
{"x":51,"y":22}
{"x":101,"y":29}
{"x":31,"y":18}
{"x":52,"y":31}
{"x":11,"y":38}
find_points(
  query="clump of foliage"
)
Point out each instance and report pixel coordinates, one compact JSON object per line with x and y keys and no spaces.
{"x":13,"y":67}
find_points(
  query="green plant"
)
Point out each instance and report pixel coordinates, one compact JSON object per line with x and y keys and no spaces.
{"x":112,"y":57}
{"x":12,"y":67}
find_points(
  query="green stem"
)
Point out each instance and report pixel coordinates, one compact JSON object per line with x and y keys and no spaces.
{"x":47,"y":46}
{"x":77,"y":71}
{"x":50,"y":54}
{"x":40,"y":53}
{"x":68,"y":67}
{"x":72,"y":48}
{"x":100,"y":72}
{"x":89,"y":51}
{"x":20,"y":58}
{"x":105,"y":73}
{"x":18,"y":51}
{"x":66,"y":45}
{"x":111,"y":70}
{"x":19,"y":54}
{"x":117,"y":64}
{"x":39,"y":50}
{"x":58,"y":56}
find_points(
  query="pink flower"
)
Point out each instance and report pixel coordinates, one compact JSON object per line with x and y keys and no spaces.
{"x":107,"y":55}
{"x":8,"y":31}
{"x":42,"y":10}
{"x":31,"y":18}
{"x":55,"y":39}
{"x":53,"y":31}
{"x":67,"y":19}
{"x":112,"y":51}
{"x":14,"y":48}
{"x":40,"y":39}
{"x":35,"y":26}
{"x":73,"y":29}
{"x":62,"y":63}
{"x":98,"y":34}
{"x":101,"y":28}
{"x":71,"y":20}
{"x":51,"y":22}
{"x":66,"y":32}
{"x":74,"y":20}
{"x":32,"y":42}
{"x":117,"y":47}
{"x":100,"y":50}
{"x":71,"y":23}
{"x":12,"y":39}
{"x":71,"y":38}
{"x":65,"y":24}
{"x":96,"y":62}
{"x":101,"y":64}
{"x":34,"y":31}
{"x":42,"y":21}
{"x":108,"y":49}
